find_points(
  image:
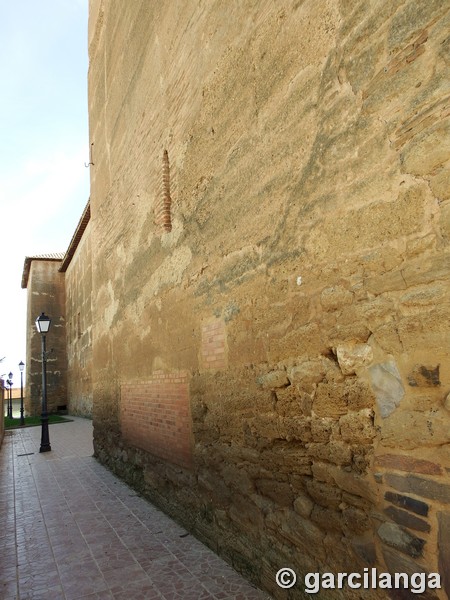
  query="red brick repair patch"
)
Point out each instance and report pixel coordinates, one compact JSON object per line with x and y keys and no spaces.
{"x":214,"y":346}
{"x":408,"y":464}
{"x":155,"y":416}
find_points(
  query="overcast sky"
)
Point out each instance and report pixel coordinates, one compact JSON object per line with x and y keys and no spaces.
{"x":44,"y":144}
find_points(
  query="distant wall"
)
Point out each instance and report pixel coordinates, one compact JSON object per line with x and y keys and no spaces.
{"x":78,"y":280}
{"x":46,"y":293}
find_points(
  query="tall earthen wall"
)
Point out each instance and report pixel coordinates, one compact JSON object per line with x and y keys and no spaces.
{"x":78,"y":283}
{"x":46,"y":293}
{"x":270,"y":265}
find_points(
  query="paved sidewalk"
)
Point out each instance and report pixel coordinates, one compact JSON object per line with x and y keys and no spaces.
{"x":69,"y":529}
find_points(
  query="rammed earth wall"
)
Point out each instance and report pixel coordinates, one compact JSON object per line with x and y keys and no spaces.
{"x":78,"y":282}
{"x":46,"y":293}
{"x":270,"y":269}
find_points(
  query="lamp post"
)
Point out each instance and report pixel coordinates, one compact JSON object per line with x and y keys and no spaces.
{"x":7,"y":398}
{"x":10,"y":382}
{"x":43,"y":325}
{"x":21,"y":368}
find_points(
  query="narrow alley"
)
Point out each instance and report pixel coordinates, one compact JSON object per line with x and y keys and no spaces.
{"x":69,"y":529}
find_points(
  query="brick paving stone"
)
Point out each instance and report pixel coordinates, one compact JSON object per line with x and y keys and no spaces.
{"x":70,"y":530}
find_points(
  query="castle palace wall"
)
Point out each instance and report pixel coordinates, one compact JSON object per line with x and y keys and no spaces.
{"x":270,"y":225}
{"x":78,"y":282}
{"x":46,"y":293}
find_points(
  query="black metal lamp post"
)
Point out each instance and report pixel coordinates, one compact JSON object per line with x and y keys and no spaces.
{"x":10,"y":382}
{"x":7,"y":398}
{"x":43,"y":325}
{"x":21,"y":367}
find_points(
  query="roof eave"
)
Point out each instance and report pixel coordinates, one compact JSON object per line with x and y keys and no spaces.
{"x":76,"y":238}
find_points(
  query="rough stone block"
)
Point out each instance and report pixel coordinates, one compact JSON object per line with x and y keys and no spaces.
{"x":355,"y":520}
{"x":245,"y":514}
{"x":288,"y":526}
{"x":294,"y":428}
{"x":396,"y":537}
{"x":406,"y":519}
{"x":440,"y":186}
{"x":288,"y":401}
{"x":401,"y":462}
{"x":387,"y":385}
{"x":274,"y":380}
{"x":352,"y":483}
{"x":321,"y":429}
{"x":278,"y":491}
{"x":263,"y":427}
{"x":358,"y":394}
{"x":352,"y":357}
{"x":426,"y":271}
{"x":398,"y":563}
{"x":366,"y":550}
{"x":411,"y":484}
{"x":387,"y":282}
{"x":320,"y":471}
{"x":323,"y":493}
{"x":420,"y":297}
{"x":303,"y":505}
{"x":338,"y":453}
{"x":327,"y":518}
{"x":237,"y":478}
{"x":357,"y":427}
{"x":307,"y":373}
{"x":335,"y":297}
{"x":416,"y":506}
{"x":215,"y":488}
{"x":356,"y":501}
{"x":329,"y":401}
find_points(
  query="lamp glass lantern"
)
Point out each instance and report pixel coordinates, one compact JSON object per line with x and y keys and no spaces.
{"x":43,"y":323}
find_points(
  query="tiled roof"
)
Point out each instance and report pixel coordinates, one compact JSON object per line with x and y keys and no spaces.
{"x":63,"y":257}
{"x":82,"y":224}
{"x":55,"y":256}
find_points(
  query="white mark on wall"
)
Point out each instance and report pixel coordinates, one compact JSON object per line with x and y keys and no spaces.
{"x":111,"y":308}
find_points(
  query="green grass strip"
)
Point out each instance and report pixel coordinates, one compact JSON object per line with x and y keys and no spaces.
{"x":33,"y":421}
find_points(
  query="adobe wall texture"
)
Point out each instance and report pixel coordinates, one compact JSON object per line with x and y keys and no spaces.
{"x":271,"y":244}
{"x":46,"y":293}
{"x":78,"y":282}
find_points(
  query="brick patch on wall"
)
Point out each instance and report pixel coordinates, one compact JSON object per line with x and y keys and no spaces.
{"x":214,"y":347}
{"x":163,"y":202}
{"x":155,"y":416}
{"x":408,"y":463}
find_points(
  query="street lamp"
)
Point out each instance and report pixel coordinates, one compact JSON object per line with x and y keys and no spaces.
{"x":10,"y":382}
{"x":7,"y":398}
{"x":21,"y":368}
{"x":43,"y":325}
